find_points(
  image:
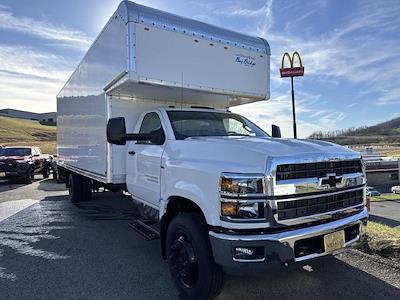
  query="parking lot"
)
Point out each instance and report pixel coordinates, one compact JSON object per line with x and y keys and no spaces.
{"x":50,"y":248}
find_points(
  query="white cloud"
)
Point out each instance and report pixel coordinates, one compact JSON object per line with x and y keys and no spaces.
{"x":42,"y":29}
{"x":391,"y":96}
{"x":278,"y":111}
{"x":358,"y":51}
{"x":352,"y":104}
{"x":30,"y":79}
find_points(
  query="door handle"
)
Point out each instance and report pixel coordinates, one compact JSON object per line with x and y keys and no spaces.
{"x":132,"y":152}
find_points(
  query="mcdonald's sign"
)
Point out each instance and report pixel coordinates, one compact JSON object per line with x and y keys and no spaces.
{"x":292,"y":71}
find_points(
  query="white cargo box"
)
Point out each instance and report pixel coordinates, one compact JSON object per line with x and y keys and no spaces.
{"x":151,"y":58}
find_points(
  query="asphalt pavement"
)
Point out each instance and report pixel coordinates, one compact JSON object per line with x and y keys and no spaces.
{"x":386,"y":212}
{"x":52,"y":249}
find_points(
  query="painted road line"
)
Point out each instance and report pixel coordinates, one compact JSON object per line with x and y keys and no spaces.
{"x":9,"y":208}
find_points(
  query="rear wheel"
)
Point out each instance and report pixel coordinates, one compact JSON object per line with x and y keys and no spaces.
{"x":190,"y":259}
{"x":75,"y":188}
{"x":79,"y":188}
{"x":87,"y":189}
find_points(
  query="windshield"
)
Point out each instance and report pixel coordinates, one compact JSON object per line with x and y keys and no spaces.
{"x":15,"y":151}
{"x":203,"y":123}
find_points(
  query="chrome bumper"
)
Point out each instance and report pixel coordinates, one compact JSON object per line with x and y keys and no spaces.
{"x":279,"y":247}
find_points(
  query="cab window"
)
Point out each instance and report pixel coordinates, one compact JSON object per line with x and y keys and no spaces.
{"x":152,"y":125}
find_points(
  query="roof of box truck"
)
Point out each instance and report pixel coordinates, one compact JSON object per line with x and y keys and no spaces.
{"x":133,"y":12}
{"x":171,"y":59}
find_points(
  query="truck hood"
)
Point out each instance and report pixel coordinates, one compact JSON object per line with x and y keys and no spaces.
{"x":12,"y":158}
{"x":285,"y":148}
{"x":250,"y":154}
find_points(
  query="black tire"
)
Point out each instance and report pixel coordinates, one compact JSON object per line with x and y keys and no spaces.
{"x":55,"y":175}
{"x":86,"y":189}
{"x":190,"y":259}
{"x":30,"y":175}
{"x":75,"y":188}
{"x":45,"y":172}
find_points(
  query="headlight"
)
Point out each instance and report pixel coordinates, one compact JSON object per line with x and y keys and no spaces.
{"x":21,"y":161}
{"x":241,"y":185}
{"x":238,"y":195}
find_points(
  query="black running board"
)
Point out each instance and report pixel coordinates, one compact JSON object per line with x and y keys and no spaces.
{"x":145,"y":230}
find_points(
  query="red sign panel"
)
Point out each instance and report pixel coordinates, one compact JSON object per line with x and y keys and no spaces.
{"x":292,"y":72}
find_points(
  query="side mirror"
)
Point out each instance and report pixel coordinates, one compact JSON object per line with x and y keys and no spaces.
{"x":116,"y":131}
{"x":276,"y":131}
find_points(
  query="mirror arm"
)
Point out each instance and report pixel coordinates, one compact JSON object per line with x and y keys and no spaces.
{"x":137,"y":137}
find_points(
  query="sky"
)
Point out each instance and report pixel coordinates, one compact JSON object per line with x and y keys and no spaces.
{"x":350,"y":50}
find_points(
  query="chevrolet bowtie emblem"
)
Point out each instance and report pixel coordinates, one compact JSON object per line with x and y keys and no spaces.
{"x":330,"y":180}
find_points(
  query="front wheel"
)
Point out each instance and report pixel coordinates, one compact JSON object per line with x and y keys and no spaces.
{"x":55,"y":175}
{"x":190,"y":259}
{"x":45,"y":172}
{"x":29,"y":176}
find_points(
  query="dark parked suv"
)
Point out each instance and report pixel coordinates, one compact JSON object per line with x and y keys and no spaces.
{"x":22,"y":163}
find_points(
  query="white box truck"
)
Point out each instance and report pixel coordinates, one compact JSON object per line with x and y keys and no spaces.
{"x":147,"y":111}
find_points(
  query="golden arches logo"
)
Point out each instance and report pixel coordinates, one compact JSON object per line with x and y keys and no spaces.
{"x":292,"y":71}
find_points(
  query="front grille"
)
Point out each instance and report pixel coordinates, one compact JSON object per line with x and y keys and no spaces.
{"x":7,"y":167}
{"x":318,"y":169}
{"x":322,"y":204}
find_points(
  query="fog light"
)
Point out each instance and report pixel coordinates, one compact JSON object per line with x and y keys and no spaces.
{"x":229,"y":208}
{"x":249,"y":253}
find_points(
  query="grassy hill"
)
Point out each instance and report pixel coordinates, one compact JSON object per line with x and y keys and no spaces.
{"x":19,"y":132}
{"x":384,"y":133}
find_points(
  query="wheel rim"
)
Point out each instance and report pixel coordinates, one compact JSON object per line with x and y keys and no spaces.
{"x":183,"y":261}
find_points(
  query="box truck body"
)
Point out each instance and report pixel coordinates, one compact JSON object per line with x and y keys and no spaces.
{"x":142,"y":59}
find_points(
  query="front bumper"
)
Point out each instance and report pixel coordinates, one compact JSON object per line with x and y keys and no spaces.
{"x":283,"y":247}
{"x":13,"y":170}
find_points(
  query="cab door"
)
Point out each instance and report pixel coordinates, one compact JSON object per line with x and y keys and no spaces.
{"x":143,"y":162}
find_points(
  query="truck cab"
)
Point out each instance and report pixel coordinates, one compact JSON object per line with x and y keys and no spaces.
{"x":262,"y":200}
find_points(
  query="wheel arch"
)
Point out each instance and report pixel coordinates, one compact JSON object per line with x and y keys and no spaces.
{"x":176,"y":205}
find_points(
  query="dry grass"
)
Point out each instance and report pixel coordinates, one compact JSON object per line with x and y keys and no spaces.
{"x":384,"y":197}
{"x":389,"y":151}
{"x":20,"y":132}
{"x":382,"y":240}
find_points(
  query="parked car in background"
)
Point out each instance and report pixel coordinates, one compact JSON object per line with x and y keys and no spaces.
{"x":371,"y":191}
{"x":54,"y":169}
{"x":22,"y":163}
{"x":395,"y":189}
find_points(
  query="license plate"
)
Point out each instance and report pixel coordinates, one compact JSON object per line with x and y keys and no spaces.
{"x":2,"y":174}
{"x":334,"y":241}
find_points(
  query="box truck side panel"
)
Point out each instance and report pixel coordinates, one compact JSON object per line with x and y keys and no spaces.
{"x":104,"y":61}
{"x":81,"y":140}
{"x":82,"y":104}
{"x":194,"y":63}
